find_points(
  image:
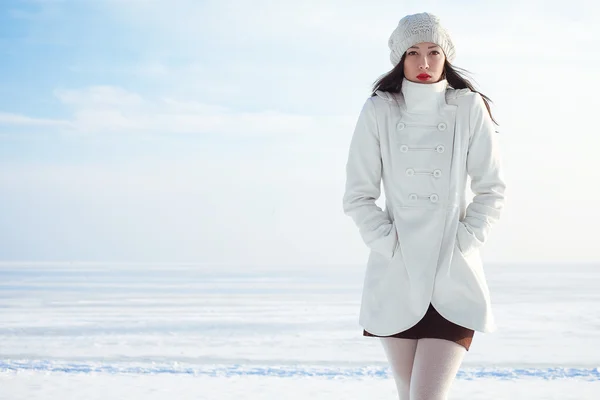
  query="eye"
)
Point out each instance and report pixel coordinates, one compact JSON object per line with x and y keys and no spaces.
{"x":435,"y":52}
{"x":411,"y":53}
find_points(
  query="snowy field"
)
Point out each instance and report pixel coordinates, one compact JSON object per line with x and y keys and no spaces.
{"x":99,"y":331}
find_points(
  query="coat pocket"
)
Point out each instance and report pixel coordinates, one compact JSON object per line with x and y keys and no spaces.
{"x":466,"y":241}
{"x":379,"y":260}
{"x":467,"y":270}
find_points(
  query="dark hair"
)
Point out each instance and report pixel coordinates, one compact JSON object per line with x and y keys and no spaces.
{"x":392,"y":81}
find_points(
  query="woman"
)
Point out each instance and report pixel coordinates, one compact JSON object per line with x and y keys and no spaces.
{"x":422,"y":132}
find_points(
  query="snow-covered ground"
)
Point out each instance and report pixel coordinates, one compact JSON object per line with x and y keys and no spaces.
{"x":97,"y":331}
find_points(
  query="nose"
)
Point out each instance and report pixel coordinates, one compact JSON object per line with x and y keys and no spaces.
{"x":423,"y":63}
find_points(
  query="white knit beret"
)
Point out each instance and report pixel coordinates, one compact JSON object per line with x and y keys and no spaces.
{"x":418,"y":28}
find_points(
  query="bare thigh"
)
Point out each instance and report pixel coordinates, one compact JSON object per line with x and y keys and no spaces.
{"x":400,"y":354}
{"x":435,"y":366}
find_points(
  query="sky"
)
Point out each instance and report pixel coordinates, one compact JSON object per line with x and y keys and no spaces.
{"x":217,"y":132}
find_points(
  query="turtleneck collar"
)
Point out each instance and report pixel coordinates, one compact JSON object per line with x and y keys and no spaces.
{"x":424,"y":97}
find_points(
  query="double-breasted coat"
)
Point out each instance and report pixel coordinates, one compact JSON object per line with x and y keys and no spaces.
{"x":425,"y":243}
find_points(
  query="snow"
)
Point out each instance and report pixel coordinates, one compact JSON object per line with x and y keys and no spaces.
{"x":132,"y":331}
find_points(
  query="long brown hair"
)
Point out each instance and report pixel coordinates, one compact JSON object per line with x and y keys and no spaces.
{"x":392,"y":81}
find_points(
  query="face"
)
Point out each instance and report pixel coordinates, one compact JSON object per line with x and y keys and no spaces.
{"x":424,"y":63}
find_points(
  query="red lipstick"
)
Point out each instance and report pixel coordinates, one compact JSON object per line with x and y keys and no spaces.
{"x":423,"y":77}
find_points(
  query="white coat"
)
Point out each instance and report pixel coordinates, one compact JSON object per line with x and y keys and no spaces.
{"x":425,"y":244}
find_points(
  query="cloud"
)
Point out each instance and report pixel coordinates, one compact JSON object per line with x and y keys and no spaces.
{"x":99,"y":109}
{"x":111,"y":109}
{"x":23,"y":120}
{"x":241,"y":23}
{"x":100,"y":96}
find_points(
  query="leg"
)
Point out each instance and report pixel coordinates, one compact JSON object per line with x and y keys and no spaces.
{"x":436,"y":363}
{"x":400,"y":354}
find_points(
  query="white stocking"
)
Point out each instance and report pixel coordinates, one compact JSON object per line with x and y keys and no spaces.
{"x":400,"y":354}
{"x":436,"y":363}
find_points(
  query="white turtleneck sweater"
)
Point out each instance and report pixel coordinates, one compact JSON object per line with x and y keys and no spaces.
{"x":424,"y":97}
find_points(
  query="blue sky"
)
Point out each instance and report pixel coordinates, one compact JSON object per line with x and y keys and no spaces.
{"x":217,"y":131}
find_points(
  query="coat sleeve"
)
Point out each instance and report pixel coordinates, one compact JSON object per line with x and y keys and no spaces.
{"x":363,"y":185}
{"x":484,"y":166}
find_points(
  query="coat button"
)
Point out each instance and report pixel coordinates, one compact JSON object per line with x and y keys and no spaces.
{"x":404,"y":148}
{"x":434,"y":198}
{"x":437,"y":173}
{"x":442,"y":126}
{"x":412,"y":197}
{"x":401,"y":125}
{"x":440,"y":148}
{"x":410,"y":172}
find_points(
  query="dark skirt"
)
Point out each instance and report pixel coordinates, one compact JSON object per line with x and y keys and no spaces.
{"x":433,"y":325}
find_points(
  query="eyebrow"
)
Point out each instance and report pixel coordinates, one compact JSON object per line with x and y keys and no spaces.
{"x":430,"y":47}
